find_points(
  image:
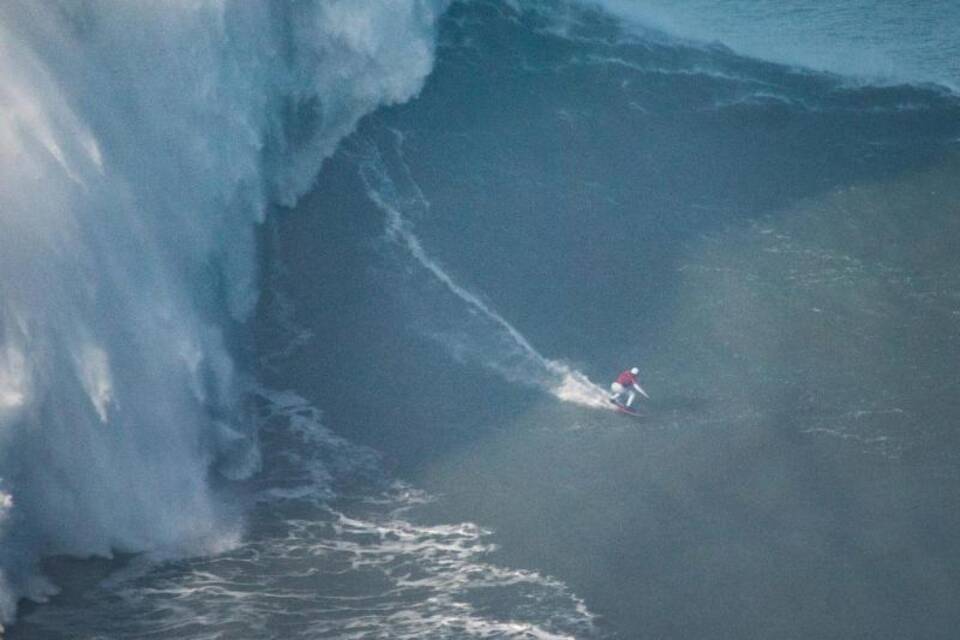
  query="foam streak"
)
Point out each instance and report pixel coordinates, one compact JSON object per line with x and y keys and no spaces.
{"x":516,"y":359}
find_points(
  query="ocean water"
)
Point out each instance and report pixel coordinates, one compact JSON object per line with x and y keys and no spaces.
{"x":307,"y":311}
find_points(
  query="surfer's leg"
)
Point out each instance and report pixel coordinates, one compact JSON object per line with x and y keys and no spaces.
{"x":630,"y":398}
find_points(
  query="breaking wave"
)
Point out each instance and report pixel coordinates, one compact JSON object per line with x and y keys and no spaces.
{"x":140,"y":146}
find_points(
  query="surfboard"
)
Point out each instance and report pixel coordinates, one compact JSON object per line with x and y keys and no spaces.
{"x":619,"y":408}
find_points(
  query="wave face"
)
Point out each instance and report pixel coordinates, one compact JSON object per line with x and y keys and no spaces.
{"x":474,"y":331}
{"x":140,"y":145}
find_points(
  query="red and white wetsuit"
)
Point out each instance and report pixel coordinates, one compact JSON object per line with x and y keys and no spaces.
{"x":625,"y":385}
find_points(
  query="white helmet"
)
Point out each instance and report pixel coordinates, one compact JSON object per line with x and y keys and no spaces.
{"x":635,"y":371}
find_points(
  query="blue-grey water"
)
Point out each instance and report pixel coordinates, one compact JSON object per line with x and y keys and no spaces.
{"x":406,"y":436}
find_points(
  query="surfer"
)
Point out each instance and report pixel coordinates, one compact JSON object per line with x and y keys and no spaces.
{"x":626,"y":384}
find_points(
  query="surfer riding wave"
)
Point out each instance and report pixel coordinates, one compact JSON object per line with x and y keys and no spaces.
{"x":627,"y":385}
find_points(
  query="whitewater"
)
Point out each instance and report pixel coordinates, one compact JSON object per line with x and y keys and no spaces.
{"x":139,"y":148}
{"x":304,"y":309}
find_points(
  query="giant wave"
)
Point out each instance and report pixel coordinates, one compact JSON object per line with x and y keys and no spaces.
{"x":638,"y":179}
